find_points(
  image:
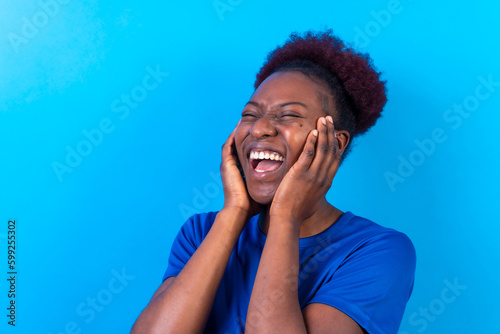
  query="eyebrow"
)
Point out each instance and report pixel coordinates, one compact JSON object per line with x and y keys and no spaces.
{"x":279,"y":105}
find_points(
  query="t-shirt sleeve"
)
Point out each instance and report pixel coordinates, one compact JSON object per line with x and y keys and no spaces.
{"x":374,"y":283}
{"x":187,"y":242}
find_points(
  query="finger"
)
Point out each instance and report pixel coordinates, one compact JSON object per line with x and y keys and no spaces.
{"x":322,"y":147}
{"x":335,"y":140}
{"x":325,"y":163}
{"x":333,"y":143}
{"x":307,"y":155}
{"x":227,"y":148}
{"x":334,"y":160}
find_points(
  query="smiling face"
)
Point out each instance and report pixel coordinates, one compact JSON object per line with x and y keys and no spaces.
{"x":273,"y":129}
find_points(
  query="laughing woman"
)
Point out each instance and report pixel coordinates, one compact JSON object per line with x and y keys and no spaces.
{"x":278,"y":258}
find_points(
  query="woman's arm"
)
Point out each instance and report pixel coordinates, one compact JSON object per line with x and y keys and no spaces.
{"x":274,"y":305}
{"x":182,"y":304}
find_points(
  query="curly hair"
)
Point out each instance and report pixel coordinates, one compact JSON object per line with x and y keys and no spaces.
{"x":355,"y":84}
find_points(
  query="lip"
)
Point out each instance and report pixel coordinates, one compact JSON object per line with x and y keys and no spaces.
{"x":263,"y":147}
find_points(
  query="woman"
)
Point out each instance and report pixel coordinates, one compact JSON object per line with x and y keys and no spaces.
{"x":278,"y":258}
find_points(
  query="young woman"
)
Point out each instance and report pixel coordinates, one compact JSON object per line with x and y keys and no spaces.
{"x":278,"y":258}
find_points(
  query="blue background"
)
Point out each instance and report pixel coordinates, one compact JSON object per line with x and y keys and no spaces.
{"x":94,"y":238}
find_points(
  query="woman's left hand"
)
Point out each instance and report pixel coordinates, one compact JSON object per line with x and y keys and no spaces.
{"x":302,"y":190}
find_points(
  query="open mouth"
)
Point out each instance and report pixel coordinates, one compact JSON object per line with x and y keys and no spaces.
{"x":265,"y":161}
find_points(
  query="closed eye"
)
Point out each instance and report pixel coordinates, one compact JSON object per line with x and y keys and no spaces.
{"x":248,"y":114}
{"x":290,"y":115}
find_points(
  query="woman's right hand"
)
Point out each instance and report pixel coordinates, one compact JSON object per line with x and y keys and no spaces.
{"x":236,"y":196}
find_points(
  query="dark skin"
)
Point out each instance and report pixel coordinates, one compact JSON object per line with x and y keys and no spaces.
{"x":272,"y":121}
{"x":292,"y":204}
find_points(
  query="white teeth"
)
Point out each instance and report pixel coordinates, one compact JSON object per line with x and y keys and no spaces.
{"x":266,"y":155}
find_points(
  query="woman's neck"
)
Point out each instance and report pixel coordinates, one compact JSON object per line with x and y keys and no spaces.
{"x":322,"y":219}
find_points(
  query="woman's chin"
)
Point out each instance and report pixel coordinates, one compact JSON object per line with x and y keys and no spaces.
{"x":262,"y":197}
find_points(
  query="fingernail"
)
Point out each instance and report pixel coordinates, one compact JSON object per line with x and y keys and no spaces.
{"x":315,"y":132}
{"x":330,"y":119}
{"x":323,"y":120}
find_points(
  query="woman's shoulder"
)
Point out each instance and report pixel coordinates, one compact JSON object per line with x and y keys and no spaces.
{"x":367,"y":227}
{"x":374,"y":237}
{"x":203,"y":218}
{"x":353,"y":233}
{"x":352,"y":236}
{"x":201,"y":221}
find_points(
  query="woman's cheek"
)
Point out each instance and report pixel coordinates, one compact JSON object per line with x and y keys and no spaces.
{"x":302,"y":144}
{"x":239,"y":134}
{"x":296,"y":142}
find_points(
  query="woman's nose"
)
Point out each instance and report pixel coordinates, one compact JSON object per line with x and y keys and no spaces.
{"x":263,"y":127}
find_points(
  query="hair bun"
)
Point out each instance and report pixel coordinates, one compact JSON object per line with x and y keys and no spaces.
{"x":365,"y":90}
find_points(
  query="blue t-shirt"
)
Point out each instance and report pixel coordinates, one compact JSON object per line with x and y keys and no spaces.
{"x":360,"y":268}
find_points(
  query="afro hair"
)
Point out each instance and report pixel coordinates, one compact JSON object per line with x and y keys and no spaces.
{"x":356,"y":87}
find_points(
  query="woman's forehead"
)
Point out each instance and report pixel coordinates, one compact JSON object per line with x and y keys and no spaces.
{"x":288,"y":83}
{"x":292,"y":86}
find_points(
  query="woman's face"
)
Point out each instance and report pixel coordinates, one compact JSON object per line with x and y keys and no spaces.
{"x":273,"y":129}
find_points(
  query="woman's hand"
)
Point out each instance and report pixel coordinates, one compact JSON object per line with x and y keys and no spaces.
{"x":235,"y":192}
{"x":302,"y":190}
{"x":183,"y":303}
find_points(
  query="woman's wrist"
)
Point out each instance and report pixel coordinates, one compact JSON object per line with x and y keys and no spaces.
{"x":240,"y":211}
{"x":284,"y":226}
{"x":234,"y":210}
{"x":234,"y":215}
{"x":285,"y":218}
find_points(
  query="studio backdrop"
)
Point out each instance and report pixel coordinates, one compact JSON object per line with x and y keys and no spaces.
{"x":113,"y":113}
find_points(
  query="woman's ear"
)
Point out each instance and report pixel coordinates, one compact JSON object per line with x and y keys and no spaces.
{"x":343,"y":138}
